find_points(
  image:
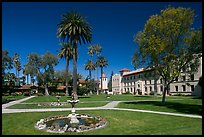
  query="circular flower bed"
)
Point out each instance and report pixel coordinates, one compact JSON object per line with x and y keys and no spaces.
{"x":61,"y":124}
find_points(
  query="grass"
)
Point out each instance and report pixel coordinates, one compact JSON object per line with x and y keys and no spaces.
{"x":101,"y":97}
{"x":119,"y":123}
{"x":12,"y":98}
{"x":186,"y":106}
{"x":78,"y":105}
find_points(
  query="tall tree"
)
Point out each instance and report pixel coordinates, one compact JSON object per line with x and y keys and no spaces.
{"x":101,"y":62}
{"x":17,"y":65}
{"x":75,"y":29}
{"x":66,"y":52}
{"x":7,"y":63}
{"x":162,"y":45}
{"x":98,"y":50}
{"x":90,"y":66}
{"x":110,"y":82}
{"x":43,"y":68}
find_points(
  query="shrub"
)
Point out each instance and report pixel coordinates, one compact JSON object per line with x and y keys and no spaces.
{"x":61,"y":94}
{"x":18,"y":93}
{"x":53,"y":94}
{"x":26,"y":93}
{"x":151,"y":93}
{"x":13,"y":94}
{"x":40,"y":94}
{"x":4,"y":100}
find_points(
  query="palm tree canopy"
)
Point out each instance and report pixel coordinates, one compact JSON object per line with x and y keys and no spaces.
{"x":66,"y":51}
{"x":73,"y":27}
{"x":91,"y":50}
{"x":102,"y":62}
{"x":90,"y":65}
{"x":97,"y":49}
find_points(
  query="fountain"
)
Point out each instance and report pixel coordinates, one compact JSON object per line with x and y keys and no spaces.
{"x":72,"y":122}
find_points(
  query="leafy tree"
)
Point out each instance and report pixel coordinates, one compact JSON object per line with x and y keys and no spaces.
{"x":43,"y":68}
{"x":101,"y":62}
{"x":162,"y":45}
{"x":66,"y":52}
{"x":75,"y":29}
{"x":7,"y":63}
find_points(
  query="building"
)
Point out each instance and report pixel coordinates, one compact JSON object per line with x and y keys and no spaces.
{"x":141,"y":82}
{"x":104,"y":83}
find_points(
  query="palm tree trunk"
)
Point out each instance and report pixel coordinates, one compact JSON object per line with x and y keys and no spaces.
{"x":27,"y":78}
{"x":66,"y":73}
{"x":75,"y":71}
{"x":101,"y":79}
{"x":90,"y":82}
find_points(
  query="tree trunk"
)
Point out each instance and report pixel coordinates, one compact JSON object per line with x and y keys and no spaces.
{"x":46,"y":90}
{"x":101,"y":79}
{"x":90,"y":82}
{"x":166,"y":86}
{"x":27,"y":78}
{"x":155,"y":79}
{"x":67,"y":73}
{"x":75,"y":71}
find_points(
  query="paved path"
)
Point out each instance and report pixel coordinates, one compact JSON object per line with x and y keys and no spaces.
{"x":109,"y":106}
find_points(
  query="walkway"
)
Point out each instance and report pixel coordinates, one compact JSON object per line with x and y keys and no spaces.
{"x":109,"y":106}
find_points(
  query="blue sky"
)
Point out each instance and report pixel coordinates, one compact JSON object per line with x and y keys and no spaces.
{"x":29,"y":27}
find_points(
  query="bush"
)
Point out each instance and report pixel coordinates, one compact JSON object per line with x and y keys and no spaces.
{"x":26,"y":93}
{"x":61,"y":94}
{"x":18,"y":93}
{"x":53,"y":94}
{"x":151,"y":93}
{"x":13,"y":94}
{"x":4,"y":100}
{"x":40,"y":94}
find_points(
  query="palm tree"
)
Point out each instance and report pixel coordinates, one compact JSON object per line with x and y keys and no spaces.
{"x":17,"y":65}
{"x":90,"y":66}
{"x":97,"y":49}
{"x":66,"y":51}
{"x":75,"y":29}
{"x":101,"y":62}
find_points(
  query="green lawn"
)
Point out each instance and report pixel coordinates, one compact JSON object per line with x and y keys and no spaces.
{"x":78,"y":105}
{"x":188,"y":105}
{"x":101,"y":97}
{"x":119,"y":123}
{"x":11,"y":98}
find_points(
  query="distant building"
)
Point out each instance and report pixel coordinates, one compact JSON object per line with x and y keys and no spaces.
{"x":104,"y":83}
{"x":141,"y":82}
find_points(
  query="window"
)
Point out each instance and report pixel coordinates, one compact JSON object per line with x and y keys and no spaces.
{"x":150,"y":88}
{"x":145,"y":89}
{"x":145,"y":82}
{"x":192,"y":77}
{"x":176,"y":88}
{"x":150,"y":81}
{"x":184,"y":87}
{"x":192,"y":87}
{"x":138,"y":85}
{"x":176,"y":79}
{"x":184,"y":78}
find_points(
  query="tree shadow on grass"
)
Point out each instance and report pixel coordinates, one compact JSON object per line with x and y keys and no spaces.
{"x":178,"y":107}
{"x":83,"y":97}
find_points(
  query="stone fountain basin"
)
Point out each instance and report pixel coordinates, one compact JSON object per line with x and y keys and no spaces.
{"x":61,"y":124}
